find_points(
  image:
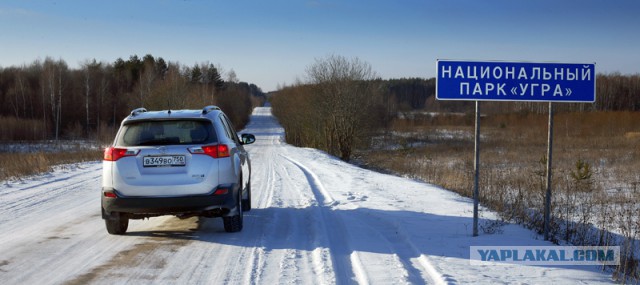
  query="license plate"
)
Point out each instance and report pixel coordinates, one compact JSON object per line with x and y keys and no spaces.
{"x":163,"y":161}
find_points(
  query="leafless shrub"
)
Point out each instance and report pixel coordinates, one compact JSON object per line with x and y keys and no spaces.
{"x":493,"y":227}
{"x":336,"y":110}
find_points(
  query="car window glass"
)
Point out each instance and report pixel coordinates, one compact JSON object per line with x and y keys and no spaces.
{"x":171,"y":132}
{"x":227,"y":130}
{"x":234,"y":135}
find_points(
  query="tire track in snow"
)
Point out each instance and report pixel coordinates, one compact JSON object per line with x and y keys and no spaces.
{"x":287,"y":241}
{"x":400,"y":243}
{"x":252,"y":254}
{"x":346,"y":262}
{"x":255,"y":269}
{"x":77,"y":171}
{"x":46,"y":196}
{"x":39,"y":198}
{"x":319,"y":192}
{"x":61,"y":238}
{"x":311,"y":240}
{"x":49,"y":207}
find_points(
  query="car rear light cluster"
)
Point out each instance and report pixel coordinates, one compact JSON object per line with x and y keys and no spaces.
{"x":114,"y":153}
{"x":215,"y":151}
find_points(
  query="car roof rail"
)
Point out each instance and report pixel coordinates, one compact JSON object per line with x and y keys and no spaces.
{"x":138,"y":111}
{"x":209,"y":108}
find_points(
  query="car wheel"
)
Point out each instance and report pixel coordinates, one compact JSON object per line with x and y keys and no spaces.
{"x":233,"y":224}
{"x":117,"y":224}
{"x":246,"y":203}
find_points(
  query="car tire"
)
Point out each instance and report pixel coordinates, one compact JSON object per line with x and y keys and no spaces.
{"x":233,"y":224}
{"x":117,"y":224}
{"x":246,"y":203}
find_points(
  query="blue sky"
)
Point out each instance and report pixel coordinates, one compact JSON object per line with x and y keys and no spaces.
{"x":272,"y":42}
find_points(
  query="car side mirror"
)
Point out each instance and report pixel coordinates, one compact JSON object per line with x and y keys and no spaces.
{"x":248,"y":138}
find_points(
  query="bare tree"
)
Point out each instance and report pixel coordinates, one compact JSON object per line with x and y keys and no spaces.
{"x":62,"y":70}
{"x":347,"y":100}
{"x":53,"y":77}
{"x":232,"y":77}
{"x":147,"y":79}
{"x":89,"y":71}
{"x":49,"y":83}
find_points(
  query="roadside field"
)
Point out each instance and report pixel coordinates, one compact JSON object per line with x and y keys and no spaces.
{"x":596,"y":162}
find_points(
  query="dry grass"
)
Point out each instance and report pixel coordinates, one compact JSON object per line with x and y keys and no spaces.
{"x":15,"y":165}
{"x":601,"y":209}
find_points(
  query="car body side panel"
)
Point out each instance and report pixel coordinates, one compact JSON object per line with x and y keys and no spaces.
{"x":107,"y":174}
{"x":246,"y":171}
{"x":226,"y":171}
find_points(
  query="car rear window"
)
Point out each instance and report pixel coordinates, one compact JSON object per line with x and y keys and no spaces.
{"x":168,"y":132}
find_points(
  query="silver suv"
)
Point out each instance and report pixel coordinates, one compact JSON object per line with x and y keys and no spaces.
{"x":176,"y":162}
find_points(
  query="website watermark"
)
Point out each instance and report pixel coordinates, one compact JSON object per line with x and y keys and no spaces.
{"x":546,"y":255}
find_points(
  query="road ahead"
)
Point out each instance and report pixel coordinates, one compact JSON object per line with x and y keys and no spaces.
{"x":316,"y":220}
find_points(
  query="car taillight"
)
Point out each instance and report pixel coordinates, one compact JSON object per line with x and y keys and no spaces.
{"x":223,"y":150}
{"x":215,"y":151}
{"x":114,"y":153}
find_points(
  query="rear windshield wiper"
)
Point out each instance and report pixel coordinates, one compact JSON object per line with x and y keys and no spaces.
{"x":161,"y":141}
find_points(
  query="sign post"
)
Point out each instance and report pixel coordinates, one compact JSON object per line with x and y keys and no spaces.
{"x":547,"y":195}
{"x":476,"y":170}
{"x":515,"y":81}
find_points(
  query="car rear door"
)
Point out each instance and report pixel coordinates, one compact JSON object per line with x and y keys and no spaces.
{"x":165,"y":164}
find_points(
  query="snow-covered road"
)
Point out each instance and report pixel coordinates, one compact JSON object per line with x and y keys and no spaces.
{"x":316,"y":220}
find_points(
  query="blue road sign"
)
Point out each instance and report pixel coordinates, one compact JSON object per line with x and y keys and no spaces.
{"x":515,"y":81}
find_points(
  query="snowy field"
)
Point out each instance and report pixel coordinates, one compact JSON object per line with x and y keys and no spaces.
{"x":316,"y":220}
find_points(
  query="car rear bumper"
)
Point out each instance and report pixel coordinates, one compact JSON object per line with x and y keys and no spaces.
{"x":140,"y":207}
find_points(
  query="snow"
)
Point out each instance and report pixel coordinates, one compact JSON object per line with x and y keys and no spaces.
{"x":315,"y":220}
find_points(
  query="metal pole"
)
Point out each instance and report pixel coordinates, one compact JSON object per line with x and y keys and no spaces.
{"x":476,"y":169}
{"x":547,"y":198}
